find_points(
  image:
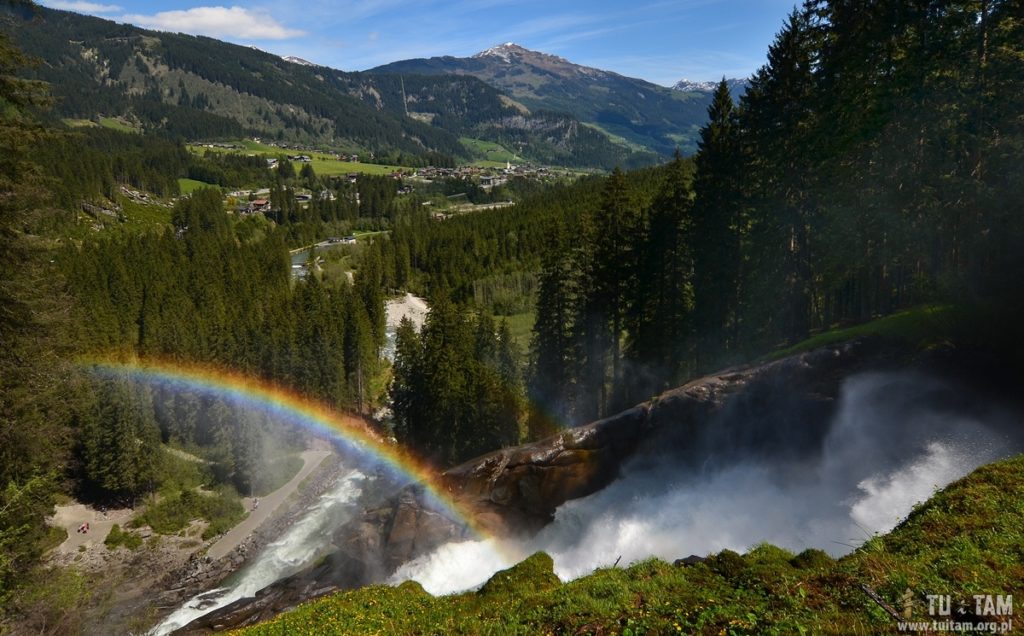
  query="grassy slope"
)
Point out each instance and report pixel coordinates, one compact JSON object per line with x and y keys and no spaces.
{"x":323,"y":165}
{"x":521,"y":328}
{"x":919,"y":326}
{"x":965,"y":540}
{"x":188,"y":186}
{"x":145,"y":216}
{"x":116,"y":123}
{"x":491,"y":153}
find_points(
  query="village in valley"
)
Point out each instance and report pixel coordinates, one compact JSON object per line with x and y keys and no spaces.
{"x":349,"y":168}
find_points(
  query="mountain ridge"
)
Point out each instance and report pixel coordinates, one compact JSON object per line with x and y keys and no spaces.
{"x":643,"y":113}
{"x":736,"y":86}
{"x":199,"y":88}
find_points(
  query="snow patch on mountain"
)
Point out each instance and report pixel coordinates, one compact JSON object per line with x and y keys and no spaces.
{"x":700,"y":87}
{"x":297,"y":60}
{"x":503,"y":51}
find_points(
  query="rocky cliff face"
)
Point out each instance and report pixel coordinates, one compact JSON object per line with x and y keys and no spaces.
{"x":516,"y":490}
{"x":519,"y":488}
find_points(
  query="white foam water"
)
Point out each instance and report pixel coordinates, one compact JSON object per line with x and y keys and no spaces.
{"x":304,"y":542}
{"x":887,"y":448}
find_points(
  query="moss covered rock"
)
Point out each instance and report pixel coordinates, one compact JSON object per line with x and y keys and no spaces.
{"x":535,"y":574}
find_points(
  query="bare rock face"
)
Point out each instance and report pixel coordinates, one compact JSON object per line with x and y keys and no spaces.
{"x":520,"y":487}
{"x":414,"y":529}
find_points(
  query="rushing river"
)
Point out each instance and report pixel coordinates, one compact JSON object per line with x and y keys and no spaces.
{"x":300,"y":547}
{"x":307,"y":540}
{"x":300,"y":258}
{"x":408,"y":306}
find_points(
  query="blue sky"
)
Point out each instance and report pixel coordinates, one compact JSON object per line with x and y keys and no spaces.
{"x":658,"y":40}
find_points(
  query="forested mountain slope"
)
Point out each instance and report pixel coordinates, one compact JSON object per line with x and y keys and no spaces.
{"x":201,"y":88}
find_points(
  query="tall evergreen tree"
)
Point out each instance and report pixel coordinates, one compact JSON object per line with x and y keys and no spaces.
{"x":778,"y":122}
{"x":369,"y":288}
{"x":406,"y":391}
{"x":35,"y":395}
{"x":611,"y":236}
{"x":660,"y":323}
{"x":719,"y":227}
{"x":553,"y":347}
{"x":120,"y":441}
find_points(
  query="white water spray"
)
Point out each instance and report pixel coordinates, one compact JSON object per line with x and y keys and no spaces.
{"x":888,"y":447}
{"x":305,"y":541}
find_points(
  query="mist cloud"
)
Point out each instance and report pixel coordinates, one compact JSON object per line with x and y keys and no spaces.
{"x":761,"y":474}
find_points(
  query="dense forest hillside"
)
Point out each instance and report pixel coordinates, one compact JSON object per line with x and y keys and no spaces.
{"x":102,"y":259}
{"x":200,"y":88}
{"x":803,"y":210}
{"x":807,"y":210}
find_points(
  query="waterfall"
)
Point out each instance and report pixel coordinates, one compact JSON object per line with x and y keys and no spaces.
{"x":893,"y":440}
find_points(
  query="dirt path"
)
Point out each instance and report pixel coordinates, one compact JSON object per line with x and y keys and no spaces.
{"x":311,"y":459}
{"x":72,"y":516}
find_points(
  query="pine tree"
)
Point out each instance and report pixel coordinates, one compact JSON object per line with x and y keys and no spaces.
{"x":406,"y":388}
{"x":369,"y":288}
{"x":611,"y":237}
{"x":120,"y":441}
{"x":719,"y":226}
{"x":553,"y":347}
{"x":308,"y":175}
{"x":618,"y":226}
{"x":35,"y":396}
{"x":285,"y":169}
{"x":360,"y":351}
{"x":777,"y":119}
{"x":661,"y":309}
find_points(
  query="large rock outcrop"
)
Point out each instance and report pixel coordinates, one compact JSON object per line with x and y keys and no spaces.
{"x":519,"y":488}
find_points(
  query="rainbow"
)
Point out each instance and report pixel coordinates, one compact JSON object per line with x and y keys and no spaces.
{"x":288,"y":405}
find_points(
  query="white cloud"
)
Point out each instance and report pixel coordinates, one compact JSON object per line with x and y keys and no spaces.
{"x":217,"y":22}
{"x":82,"y":7}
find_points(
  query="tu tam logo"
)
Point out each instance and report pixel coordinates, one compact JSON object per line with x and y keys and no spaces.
{"x":984,"y":605}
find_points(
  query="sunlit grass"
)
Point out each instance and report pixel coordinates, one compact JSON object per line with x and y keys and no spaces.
{"x":118,"y":124}
{"x":929,"y":323}
{"x":323,"y":164}
{"x":188,"y":186}
{"x":520,"y":326}
{"x":491,"y":154}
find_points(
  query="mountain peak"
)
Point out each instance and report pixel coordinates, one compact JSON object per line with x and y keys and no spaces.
{"x":736,"y":86}
{"x":510,"y":53}
{"x":689,"y":85}
{"x":504,"y":51}
{"x":296,"y":60}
